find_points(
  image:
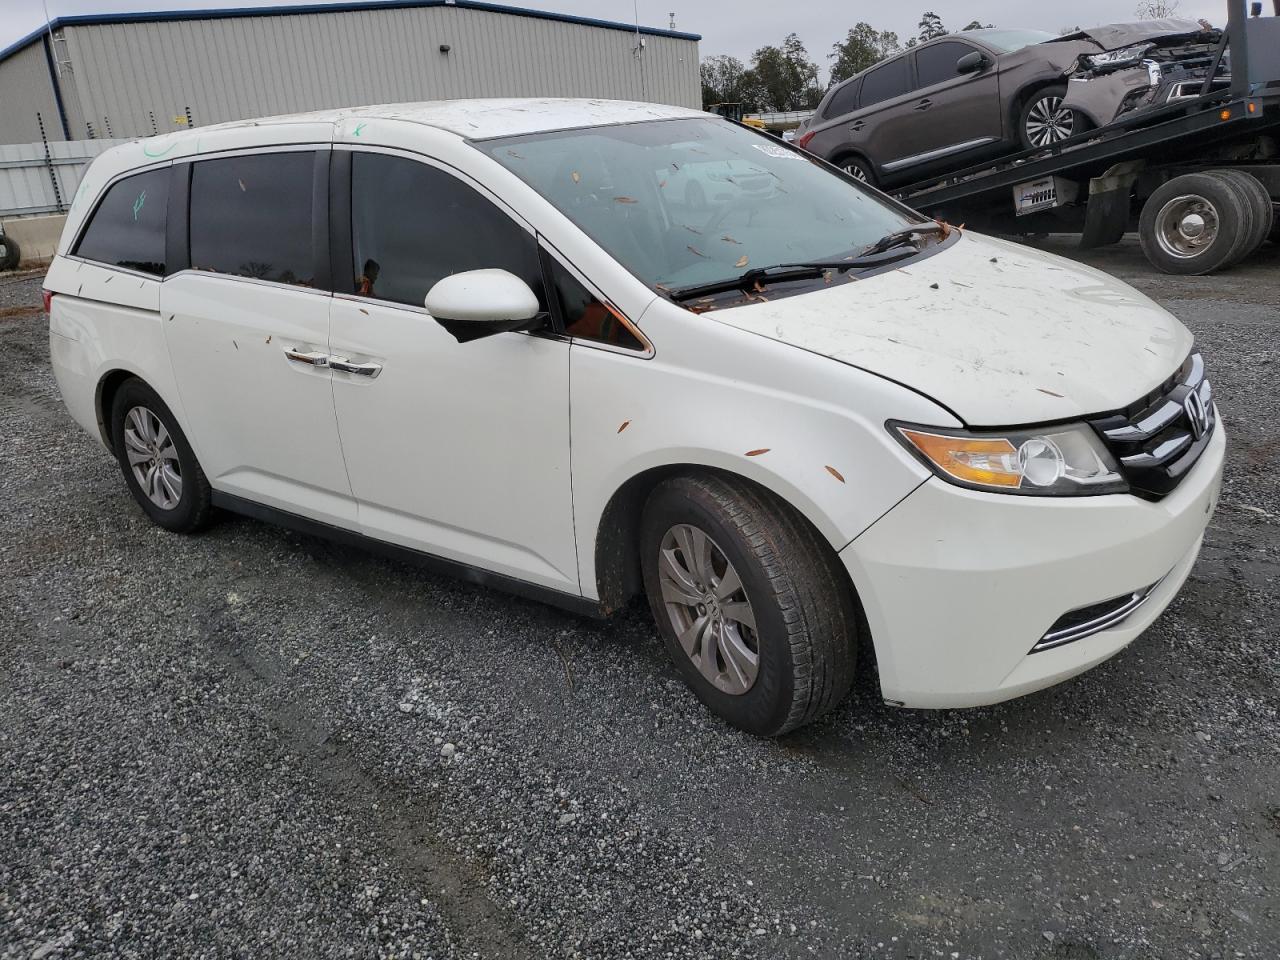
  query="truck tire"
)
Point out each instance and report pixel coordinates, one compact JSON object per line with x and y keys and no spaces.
{"x":1194,"y":224}
{"x":10,"y":252}
{"x":752,"y":603}
{"x":1260,"y":204}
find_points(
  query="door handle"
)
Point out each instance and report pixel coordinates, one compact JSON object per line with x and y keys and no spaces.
{"x":369,"y":370}
{"x":857,"y":125}
{"x":924,"y":104}
{"x":312,"y":358}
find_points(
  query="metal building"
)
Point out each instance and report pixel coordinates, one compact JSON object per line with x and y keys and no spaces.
{"x":127,"y":75}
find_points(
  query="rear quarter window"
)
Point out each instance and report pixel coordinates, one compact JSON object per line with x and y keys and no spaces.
{"x":128,"y":227}
{"x":843,"y":100}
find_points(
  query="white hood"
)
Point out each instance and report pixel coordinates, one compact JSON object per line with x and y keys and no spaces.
{"x":999,"y":333}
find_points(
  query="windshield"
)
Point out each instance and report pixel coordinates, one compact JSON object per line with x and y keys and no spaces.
{"x":1007,"y":41}
{"x":686,"y":202}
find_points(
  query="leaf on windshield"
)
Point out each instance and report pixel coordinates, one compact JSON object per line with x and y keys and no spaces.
{"x":694,"y":250}
{"x":624,"y":200}
{"x":512,"y":153}
{"x":728,"y":239}
{"x":691,"y":229}
{"x":742,"y":261}
{"x":827,"y":276}
{"x":577,"y":177}
{"x":758,"y":287}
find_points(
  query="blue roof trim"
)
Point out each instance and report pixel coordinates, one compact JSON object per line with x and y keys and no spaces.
{"x":222,"y":13}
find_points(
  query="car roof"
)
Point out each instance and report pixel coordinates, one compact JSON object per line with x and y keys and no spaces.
{"x":480,"y":119}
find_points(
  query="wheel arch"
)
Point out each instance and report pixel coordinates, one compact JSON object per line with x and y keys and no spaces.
{"x":108,"y":386}
{"x":1024,"y":95}
{"x":617,"y":534}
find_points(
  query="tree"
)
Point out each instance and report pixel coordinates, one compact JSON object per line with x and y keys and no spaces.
{"x":1157,"y":9}
{"x":785,"y":76}
{"x":978,"y":25}
{"x":863,"y":47}
{"x":727,"y":80}
{"x":931,"y":27}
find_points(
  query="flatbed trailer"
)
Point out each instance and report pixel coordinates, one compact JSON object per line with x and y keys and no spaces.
{"x":1199,"y":179}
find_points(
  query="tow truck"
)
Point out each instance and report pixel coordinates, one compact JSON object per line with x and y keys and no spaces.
{"x":1199,"y":178}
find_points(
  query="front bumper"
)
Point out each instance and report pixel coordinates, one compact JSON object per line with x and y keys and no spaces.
{"x":959,"y":585}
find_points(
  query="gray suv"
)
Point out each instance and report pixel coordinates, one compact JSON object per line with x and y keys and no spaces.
{"x":965,"y":98}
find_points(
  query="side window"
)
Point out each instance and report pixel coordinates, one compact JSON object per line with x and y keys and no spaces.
{"x":885,"y":82}
{"x":844,"y":100}
{"x":413,"y":224}
{"x":937,"y":64}
{"x":127,"y":229}
{"x":585,"y":316}
{"x":251,"y":216}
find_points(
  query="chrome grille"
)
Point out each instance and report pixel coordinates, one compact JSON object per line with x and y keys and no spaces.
{"x":1157,"y":440}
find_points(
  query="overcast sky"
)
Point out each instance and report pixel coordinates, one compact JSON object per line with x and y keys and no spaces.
{"x":735,"y":27}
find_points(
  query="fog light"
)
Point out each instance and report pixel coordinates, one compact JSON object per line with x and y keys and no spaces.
{"x":1041,"y":461}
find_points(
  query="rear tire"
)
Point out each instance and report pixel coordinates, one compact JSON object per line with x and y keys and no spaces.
{"x":1255,"y":196}
{"x":159,"y":466}
{"x":859,"y":169}
{"x":1194,"y":224}
{"x":803,"y":619}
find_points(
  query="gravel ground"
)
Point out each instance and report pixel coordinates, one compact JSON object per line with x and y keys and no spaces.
{"x":251,"y":743}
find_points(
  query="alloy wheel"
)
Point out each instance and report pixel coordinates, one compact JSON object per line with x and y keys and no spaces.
{"x":855,"y":170}
{"x":707,"y":603}
{"x":1048,"y":122}
{"x":153,"y":458}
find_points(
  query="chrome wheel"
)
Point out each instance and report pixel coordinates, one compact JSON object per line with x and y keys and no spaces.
{"x":153,"y":458}
{"x":1047,"y":122}
{"x":1186,"y":226}
{"x":709,"y":609}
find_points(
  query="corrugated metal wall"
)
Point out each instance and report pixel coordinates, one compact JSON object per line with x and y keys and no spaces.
{"x":26,"y":97}
{"x":44,"y":177}
{"x":226,"y":69}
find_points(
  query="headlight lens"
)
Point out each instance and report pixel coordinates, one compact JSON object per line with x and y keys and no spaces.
{"x":1124,"y":57}
{"x":1065,"y":460}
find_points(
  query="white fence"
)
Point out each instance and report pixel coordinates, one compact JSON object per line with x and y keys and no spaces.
{"x":43,"y":177}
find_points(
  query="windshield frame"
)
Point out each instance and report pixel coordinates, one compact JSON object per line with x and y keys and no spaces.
{"x":986,"y":34}
{"x":488,"y":147}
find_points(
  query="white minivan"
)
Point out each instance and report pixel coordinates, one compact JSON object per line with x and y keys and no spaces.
{"x":817,"y":431}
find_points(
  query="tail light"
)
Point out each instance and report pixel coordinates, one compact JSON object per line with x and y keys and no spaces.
{"x":803,"y":142}
{"x":48,"y":299}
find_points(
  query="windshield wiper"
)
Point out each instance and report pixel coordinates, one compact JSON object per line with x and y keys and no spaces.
{"x":784,"y":272}
{"x":900,"y":237}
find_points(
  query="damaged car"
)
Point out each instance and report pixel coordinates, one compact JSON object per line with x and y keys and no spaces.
{"x":974,"y":96}
{"x":815,"y":431}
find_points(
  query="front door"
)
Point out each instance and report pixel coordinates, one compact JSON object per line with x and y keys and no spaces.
{"x":460,"y":450}
{"x":248,"y":329}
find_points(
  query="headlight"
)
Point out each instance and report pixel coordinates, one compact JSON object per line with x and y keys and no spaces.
{"x":1124,"y":57}
{"x":1066,"y":460}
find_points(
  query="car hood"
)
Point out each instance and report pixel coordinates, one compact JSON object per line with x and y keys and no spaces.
{"x":999,"y":333}
{"x":1113,"y":36}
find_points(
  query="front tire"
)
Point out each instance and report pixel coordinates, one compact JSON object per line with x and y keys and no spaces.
{"x":1044,"y":121}
{"x":752,"y":604}
{"x":159,"y":466}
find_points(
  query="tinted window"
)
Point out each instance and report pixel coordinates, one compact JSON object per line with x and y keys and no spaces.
{"x":127,"y":229}
{"x":843,"y":100}
{"x":251,"y":216}
{"x":937,"y":63}
{"x":413,"y":224}
{"x":586,"y":316}
{"x":886,"y":82}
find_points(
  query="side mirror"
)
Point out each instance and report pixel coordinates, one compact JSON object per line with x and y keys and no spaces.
{"x":480,"y":303}
{"x":971,"y":62}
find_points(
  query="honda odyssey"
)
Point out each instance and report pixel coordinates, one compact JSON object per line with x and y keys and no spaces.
{"x":817,"y":431}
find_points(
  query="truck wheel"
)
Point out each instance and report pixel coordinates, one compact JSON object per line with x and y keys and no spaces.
{"x":752,"y":603}
{"x":1259,"y":201}
{"x":1194,"y":224}
{"x":10,"y":253}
